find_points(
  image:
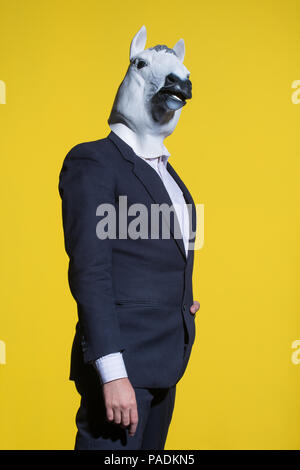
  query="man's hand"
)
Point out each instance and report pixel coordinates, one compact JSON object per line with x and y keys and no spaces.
{"x":195,"y":307}
{"x":120,"y":403}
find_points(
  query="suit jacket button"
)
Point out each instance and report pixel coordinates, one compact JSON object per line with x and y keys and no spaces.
{"x":184,"y":307}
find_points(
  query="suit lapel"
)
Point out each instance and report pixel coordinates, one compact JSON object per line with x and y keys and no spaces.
{"x":156,"y":189}
{"x":152,"y":183}
{"x":191,"y":206}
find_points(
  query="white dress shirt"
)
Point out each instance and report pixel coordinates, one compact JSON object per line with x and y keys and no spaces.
{"x":111,"y":366}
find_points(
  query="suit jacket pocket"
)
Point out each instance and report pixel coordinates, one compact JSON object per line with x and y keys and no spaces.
{"x":143,"y":302}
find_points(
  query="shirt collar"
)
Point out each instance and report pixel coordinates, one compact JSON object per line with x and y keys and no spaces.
{"x":163,"y":158}
{"x":124,"y":134}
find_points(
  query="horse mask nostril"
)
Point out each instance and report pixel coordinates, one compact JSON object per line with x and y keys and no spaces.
{"x":171,"y":78}
{"x":176,"y":84}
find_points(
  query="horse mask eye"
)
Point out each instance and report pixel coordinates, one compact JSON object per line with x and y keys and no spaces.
{"x":140,"y":63}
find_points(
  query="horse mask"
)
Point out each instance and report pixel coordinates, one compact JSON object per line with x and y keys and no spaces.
{"x":152,"y":94}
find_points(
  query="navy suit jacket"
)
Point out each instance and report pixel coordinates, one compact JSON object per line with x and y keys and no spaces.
{"x":132,"y":296}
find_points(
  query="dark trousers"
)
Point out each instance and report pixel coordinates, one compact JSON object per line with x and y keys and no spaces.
{"x":94,"y":432}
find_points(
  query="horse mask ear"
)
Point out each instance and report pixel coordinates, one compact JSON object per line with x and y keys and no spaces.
{"x":138,"y":43}
{"x":179,"y":48}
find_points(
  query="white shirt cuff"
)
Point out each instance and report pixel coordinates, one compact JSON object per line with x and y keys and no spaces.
{"x":111,"y":367}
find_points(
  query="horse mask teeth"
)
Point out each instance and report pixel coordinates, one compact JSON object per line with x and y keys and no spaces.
{"x":155,"y":88}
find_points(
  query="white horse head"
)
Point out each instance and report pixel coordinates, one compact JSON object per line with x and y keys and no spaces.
{"x":154,"y":90}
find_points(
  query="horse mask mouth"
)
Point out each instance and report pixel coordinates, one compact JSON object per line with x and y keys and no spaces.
{"x":174,"y":93}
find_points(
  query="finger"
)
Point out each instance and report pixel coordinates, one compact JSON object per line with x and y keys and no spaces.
{"x":125,"y":417}
{"x":133,"y":421}
{"x":109,"y":414}
{"x":195,"y":307}
{"x":117,"y":416}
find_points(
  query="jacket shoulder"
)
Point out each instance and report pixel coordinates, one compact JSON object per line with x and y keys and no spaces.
{"x":100,"y":150}
{"x":89,"y":161}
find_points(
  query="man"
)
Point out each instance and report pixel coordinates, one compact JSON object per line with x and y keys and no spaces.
{"x":134,"y":292}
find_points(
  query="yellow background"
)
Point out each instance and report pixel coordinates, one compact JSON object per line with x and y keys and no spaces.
{"x":236,"y":147}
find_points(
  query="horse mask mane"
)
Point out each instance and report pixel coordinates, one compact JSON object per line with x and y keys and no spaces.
{"x":152,"y":94}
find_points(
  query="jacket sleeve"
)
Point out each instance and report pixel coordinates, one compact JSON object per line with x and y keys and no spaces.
{"x":86,"y":181}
